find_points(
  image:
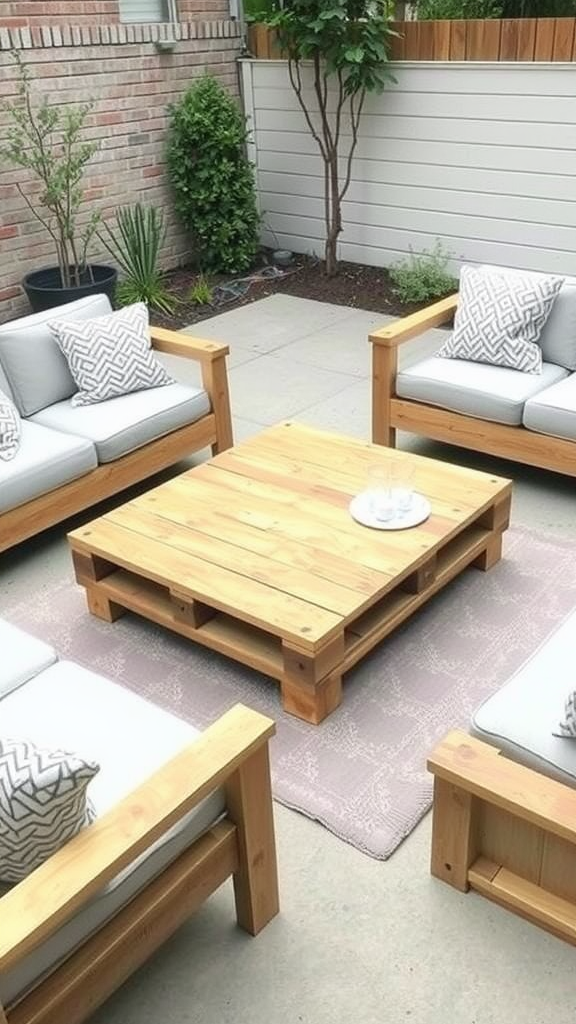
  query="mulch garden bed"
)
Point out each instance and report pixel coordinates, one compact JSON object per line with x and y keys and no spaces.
{"x":355,"y":285}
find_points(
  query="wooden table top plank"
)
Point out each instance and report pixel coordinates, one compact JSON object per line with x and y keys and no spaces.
{"x":266,"y":506}
{"x":327,"y":451}
{"x":220,"y":552}
{"x":248,"y":600}
{"x":339,"y":486}
{"x":296,"y":500}
{"x":208,"y":519}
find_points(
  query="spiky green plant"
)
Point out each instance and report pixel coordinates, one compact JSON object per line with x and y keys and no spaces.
{"x":136,"y":245}
{"x":201,"y":293}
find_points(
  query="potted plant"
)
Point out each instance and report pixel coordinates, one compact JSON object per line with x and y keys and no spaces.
{"x":47,"y":141}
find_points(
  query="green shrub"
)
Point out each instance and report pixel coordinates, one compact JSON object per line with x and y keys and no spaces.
{"x":432,"y":10}
{"x":212,"y":179}
{"x":200,"y":293}
{"x":135,"y":245}
{"x":425,"y":277}
{"x":538,"y":8}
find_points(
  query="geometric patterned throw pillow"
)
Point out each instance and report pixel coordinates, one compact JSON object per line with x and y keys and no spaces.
{"x":9,"y":428}
{"x":110,"y":355}
{"x":567,"y":727}
{"x":500,"y":318}
{"x":43,"y":804}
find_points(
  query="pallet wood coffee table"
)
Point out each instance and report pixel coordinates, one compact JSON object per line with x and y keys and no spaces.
{"x":255,"y":555}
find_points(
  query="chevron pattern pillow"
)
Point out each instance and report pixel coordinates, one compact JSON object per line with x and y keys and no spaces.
{"x":10,"y":435}
{"x":110,"y":355}
{"x":500,"y":318}
{"x":43,"y":804}
{"x":567,"y":726}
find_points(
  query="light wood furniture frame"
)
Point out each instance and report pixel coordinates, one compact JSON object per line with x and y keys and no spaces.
{"x":389,"y":412}
{"x":255,"y":554}
{"x":214,"y":430}
{"x":506,"y":831}
{"x":232,"y":753}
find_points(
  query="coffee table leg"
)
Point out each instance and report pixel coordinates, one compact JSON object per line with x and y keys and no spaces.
{"x":311,"y":684}
{"x":102,"y":607}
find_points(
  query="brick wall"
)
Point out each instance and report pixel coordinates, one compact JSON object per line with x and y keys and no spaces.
{"x":118,"y":67}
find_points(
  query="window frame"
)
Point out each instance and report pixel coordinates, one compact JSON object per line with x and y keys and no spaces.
{"x":172,"y":13}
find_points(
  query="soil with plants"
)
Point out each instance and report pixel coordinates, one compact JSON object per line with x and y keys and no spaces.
{"x":355,"y":285}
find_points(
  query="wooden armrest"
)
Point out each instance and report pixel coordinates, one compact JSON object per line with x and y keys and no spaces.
{"x":38,"y":905}
{"x":481,"y":769}
{"x":177,"y":344}
{"x":411,"y":326}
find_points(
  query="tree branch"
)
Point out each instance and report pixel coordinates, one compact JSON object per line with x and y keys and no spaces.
{"x":296,"y":83}
{"x":355,"y":116}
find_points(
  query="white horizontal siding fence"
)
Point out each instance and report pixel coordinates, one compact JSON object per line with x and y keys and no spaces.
{"x":480,"y":156}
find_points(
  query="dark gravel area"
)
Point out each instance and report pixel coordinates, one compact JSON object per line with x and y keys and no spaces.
{"x":355,"y":285}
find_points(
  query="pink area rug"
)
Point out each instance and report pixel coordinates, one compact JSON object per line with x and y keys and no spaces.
{"x":362,"y":772}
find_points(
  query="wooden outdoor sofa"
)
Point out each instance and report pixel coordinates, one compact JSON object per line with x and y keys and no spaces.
{"x":391,"y":411}
{"x":178,"y":812}
{"x":94,"y":478}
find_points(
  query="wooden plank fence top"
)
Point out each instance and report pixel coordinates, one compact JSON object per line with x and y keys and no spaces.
{"x":518,"y":39}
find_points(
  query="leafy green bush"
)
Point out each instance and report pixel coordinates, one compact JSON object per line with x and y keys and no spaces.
{"x":538,"y":8}
{"x":433,"y":10}
{"x":425,"y":277}
{"x":212,"y":179}
{"x":136,"y":247}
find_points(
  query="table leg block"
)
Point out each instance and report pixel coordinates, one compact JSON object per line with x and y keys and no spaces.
{"x":421,"y":578}
{"x":191,"y":612}
{"x":312,"y":668}
{"x":312,"y":703}
{"x":90,"y":568}
{"x":491,"y":554}
{"x":100,"y":606}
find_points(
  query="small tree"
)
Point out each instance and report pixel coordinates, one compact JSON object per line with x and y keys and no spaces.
{"x":47,"y":140}
{"x":346,"y":42}
{"x":212,"y":179}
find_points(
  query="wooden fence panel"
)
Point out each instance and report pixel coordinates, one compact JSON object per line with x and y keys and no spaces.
{"x":523,"y":39}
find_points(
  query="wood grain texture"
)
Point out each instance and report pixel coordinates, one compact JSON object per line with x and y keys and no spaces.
{"x":35,"y":908}
{"x":411,"y":326}
{"x":104,"y":962}
{"x":544,"y":40}
{"x":526,"y":31}
{"x":258,"y":545}
{"x":458,"y":40}
{"x":563,"y":39}
{"x":454,"y":840}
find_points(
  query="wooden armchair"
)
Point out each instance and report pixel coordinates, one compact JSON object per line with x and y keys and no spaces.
{"x":232,"y":753}
{"x":506,"y":831}
{"x":390,"y":412}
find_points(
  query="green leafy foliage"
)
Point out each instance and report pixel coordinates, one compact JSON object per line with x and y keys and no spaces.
{"x":425,"y":277}
{"x":346,"y":42}
{"x":213,"y":181}
{"x":135,"y":245}
{"x":450,"y":9}
{"x":200,"y":293}
{"x":47,"y":141}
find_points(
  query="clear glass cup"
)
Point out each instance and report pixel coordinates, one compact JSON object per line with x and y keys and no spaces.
{"x":403,"y":486}
{"x":381,"y":497}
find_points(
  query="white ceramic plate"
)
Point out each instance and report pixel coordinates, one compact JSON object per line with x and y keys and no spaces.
{"x":361,"y":509}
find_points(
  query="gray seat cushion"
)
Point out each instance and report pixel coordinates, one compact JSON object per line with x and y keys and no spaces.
{"x":558,"y":337}
{"x":36,"y":369}
{"x":70,"y":707}
{"x":553,"y":411}
{"x":520,"y":717}
{"x":45,"y":460}
{"x":23,"y":656}
{"x":492,"y":393}
{"x":123,"y":424}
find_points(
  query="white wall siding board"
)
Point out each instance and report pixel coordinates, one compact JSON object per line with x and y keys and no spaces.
{"x":480,"y":156}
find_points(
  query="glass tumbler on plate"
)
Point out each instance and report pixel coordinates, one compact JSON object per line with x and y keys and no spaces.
{"x":380,"y":494}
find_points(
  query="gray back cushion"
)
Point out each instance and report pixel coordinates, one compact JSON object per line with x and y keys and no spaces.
{"x":4,"y":385}
{"x":558,"y":338}
{"x":37,"y":371}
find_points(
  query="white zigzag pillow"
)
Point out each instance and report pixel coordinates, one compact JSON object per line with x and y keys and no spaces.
{"x":500,"y":318}
{"x":9,"y":428}
{"x":43,"y":804}
{"x":567,"y":727}
{"x":110,"y":355}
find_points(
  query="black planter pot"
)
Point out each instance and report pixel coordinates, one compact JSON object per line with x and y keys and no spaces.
{"x":44,"y":290}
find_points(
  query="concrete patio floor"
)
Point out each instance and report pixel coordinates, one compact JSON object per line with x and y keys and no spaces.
{"x":357,"y":940}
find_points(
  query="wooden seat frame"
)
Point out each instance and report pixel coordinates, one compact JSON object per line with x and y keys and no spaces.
{"x":214,"y":430}
{"x":506,"y":831}
{"x":389,"y":412}
{"x":232,"y":753}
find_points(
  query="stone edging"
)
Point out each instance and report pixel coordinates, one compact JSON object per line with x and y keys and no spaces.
{"x":46,"y":36}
